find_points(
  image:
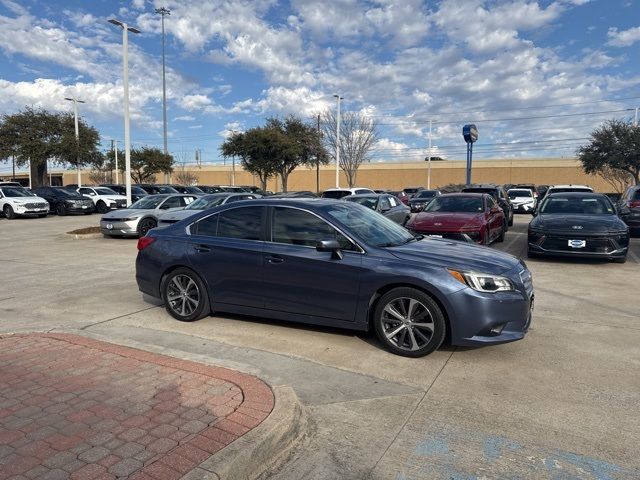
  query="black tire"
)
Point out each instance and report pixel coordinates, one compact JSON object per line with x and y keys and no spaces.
{"x":61,"y":210}
{"x":421,"y":340}
{"x":8,"y":212}
{"x":620,"y":260}
{"x":510,"y":224}
{"x":146,"y":224}
{"x":500,"y":238}
{"x":101,"y":207}
{"x":190,"y":299}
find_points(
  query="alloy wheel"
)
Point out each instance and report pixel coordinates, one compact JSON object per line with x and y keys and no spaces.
{"x":183,"y":295}
{"x":407,"y":323}
{"x":146,"y":225}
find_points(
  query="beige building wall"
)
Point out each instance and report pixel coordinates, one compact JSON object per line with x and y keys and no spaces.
{"x":395,"y":176}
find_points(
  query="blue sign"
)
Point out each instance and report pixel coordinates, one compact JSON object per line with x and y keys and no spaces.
{"x":470,"y":133}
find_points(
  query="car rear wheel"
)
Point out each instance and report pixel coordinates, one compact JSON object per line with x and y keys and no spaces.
{"x":61,"y":210}
{"x":185,"y":296}
{"x":8,"y":212}
{"x":145,"y":225}
{"x":101,"y":207}
{"x":408,"y":322}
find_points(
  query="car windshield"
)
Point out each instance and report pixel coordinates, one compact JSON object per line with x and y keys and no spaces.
{"x":519,"y":193}
{"x":374,"y":228}
{"x":425,"y":194}
{"x":66,"y":193}
{"x":335,"y":193}
{"x":455,"y":204}
{"x":16,"y":192}
{"x":369,"y":202}
{"x":409,"y":191}
{"x":105,"y":191}
{"x":489,"y":191}
{"x":192,"y":190}
{"x":561,"y":205}
{"x":204,"y":203}
{"x":149,"y":202}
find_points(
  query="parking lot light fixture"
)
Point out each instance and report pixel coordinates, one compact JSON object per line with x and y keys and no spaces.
{"x":75,"y":115}
{"x":125,"y":67}
{"x":338,"y":141}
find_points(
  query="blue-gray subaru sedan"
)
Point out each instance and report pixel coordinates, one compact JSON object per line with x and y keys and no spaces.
{"x":338,"y":264}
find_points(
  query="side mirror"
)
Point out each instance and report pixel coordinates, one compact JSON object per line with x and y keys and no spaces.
{"x":330,"y":246}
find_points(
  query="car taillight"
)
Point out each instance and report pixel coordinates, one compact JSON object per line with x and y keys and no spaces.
{"x":144,"y":242}
{"x":633,"y":203}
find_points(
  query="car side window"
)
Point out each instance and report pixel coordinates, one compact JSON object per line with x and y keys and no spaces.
{"x":392,"y":201}
{"x":184,"y":201}
{"x":172,"y":202}
{"x":298,"y":227}
{"x":384,"y":204}
{"x":243,"y":222}
{"x":86,"y":191}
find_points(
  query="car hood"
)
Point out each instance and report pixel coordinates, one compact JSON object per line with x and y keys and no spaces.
{"x":23,"y":200}
{"x":447,"y":219}
{"x":458,"y":255}
{"x":591,"y":224}
{"x":178,"y":215}
{"x":114,"y":197}
{"x":126,"y":213}
{"x":522,"y":200}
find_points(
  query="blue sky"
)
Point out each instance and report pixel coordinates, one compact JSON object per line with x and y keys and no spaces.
{"x":536,"y":77}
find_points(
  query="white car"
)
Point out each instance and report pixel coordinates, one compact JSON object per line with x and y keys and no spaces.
{"x":522,"y":200}
{"x":103,"y":198}
{"x":20,"y":202}
{"x":344,"y":192}
{"x":569,"y":188}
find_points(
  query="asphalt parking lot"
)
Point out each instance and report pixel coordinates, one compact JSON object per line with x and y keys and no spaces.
{"x":562,"y":403}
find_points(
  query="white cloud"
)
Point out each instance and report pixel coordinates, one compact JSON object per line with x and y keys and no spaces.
{"x":623,"y":38}
{"x":184,"y":118}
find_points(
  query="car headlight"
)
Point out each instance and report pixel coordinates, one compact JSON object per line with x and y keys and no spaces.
{"x":483,"y":282}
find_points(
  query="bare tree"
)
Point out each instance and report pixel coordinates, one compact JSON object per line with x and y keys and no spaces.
{"x":186,"y":177}
{"x":618,"y":179}
{"x":358,"y":135}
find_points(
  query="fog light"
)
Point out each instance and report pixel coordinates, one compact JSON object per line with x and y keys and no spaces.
{"x":497,"y":330}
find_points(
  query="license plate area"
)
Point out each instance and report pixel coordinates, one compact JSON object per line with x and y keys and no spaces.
{"x":577,"y":243}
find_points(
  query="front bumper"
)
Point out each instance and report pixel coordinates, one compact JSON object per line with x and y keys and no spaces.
{"x":30,"y":212}
{"x":557,"y":245}
{"x":80,"y":209}
{"x":475,"y":314}
{"x":117,"y":228}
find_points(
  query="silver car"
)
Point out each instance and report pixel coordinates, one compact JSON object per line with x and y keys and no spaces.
{"x":142,"y":216}
{"x":203,"y":203}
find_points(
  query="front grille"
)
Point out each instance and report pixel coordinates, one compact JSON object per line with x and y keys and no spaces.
{"x":35,"y":205}
{"x":596,"y":244}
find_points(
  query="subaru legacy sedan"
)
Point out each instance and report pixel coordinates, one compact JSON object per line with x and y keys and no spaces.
{"x":339,"y":264}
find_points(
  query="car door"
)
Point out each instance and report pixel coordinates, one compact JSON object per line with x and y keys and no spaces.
{"x":301,"y":280}
{"x":88,"y":192}
{"x":172,"y":203}
{"x":226,"y":248}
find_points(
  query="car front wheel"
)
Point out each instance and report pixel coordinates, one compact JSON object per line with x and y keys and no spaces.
{"x":61,"y":210}
{"x":185,"y":296}
{"x":409,"y":322}
{"x":101,"y":207}
{"x":8,"y":212}
{"x":145,"y":225}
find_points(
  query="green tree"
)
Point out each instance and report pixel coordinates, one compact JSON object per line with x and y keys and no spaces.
{"x":256,"y":148}
{"x":36,"y":136}
{"x":613,"y":146}
{"x":146,"y":163}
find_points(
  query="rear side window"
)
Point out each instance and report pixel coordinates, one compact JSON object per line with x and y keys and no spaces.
{"x":172,"y":202}
{"x":243,"y":223}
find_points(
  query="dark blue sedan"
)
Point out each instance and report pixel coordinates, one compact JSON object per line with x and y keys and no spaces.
{"x":339,"y":264}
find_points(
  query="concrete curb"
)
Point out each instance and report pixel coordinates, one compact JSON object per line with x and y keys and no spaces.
{"x":83,"y":236}
{"x":261,"y":448}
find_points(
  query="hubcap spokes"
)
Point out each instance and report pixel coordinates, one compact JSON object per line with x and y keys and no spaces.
{"x":407,"y":323}
{"x":183,"y":295}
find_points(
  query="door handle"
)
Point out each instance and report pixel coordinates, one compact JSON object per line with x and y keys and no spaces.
{"x":274,"y":259}
{"x":202,"y":248}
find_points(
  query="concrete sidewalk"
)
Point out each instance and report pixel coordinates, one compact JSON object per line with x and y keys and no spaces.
{"x":73,"y":407}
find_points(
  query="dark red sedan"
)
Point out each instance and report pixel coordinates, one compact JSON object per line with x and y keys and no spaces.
{"x":454,"y":215}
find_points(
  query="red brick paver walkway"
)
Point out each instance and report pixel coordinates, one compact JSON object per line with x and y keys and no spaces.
{"x":72,"y":407}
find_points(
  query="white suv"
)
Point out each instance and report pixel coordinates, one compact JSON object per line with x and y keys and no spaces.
{"x":344,"y":192}
{"x":103,"y":198}
{"x":568,"y":189}
{"x":20,"y":202}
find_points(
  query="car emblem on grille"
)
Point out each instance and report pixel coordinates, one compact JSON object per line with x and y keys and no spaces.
{"x":577,"y":227}
{"x":437,"y":224}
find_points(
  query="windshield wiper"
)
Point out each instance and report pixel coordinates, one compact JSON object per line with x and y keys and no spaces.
{"x":417,"y":237}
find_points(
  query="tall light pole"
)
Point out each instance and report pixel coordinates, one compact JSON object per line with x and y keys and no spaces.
{"x":115,"y":151}
{"x":75,"y":115}
{"x":125,"y":81}
{"x":429,"y":161}
{"x":338,"y":142}
{"x":163,"y":12}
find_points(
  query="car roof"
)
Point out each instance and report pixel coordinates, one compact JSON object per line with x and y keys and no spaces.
{"x":569,"y":186}
{"x":577,"y":194}
{"x":487,"y":186}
